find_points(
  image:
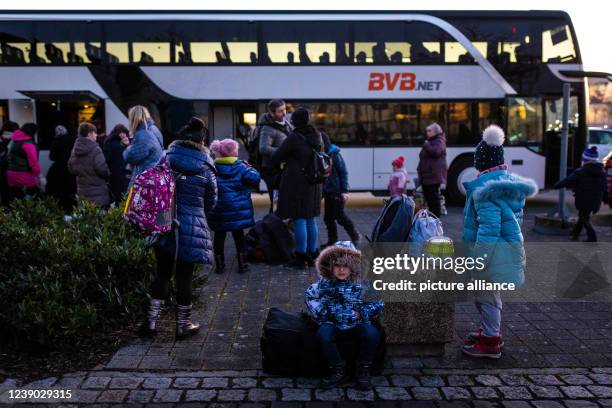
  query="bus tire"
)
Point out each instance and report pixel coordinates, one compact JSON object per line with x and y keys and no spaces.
{"x":454,"y":192}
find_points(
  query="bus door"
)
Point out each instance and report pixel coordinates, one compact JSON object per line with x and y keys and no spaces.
{"x":551,"y":145}
{"x":234,"y":121}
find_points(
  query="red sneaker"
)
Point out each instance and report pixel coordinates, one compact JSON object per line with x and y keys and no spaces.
{"x":488,"y":347}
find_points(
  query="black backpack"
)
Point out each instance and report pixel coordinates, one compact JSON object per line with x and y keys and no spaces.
{"x":270,"y":240}
{"x":319,"y":166}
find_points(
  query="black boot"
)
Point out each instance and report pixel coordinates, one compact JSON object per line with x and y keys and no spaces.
{"x":332,"y":234}
{"x":184,"y":326}
{"x":311,"y":259}
{"x":148,"y":328}
{"x":243,"y":266}
{"x":220,"y":263}
{"x":364,"y":379}
{"x":299,"y":261}
{"x":337,"y":376}
{"x":353,"y":234}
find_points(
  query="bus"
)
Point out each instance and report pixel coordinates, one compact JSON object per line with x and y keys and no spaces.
{"x":373,"y":80}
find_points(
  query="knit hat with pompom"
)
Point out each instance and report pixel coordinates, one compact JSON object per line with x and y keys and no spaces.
{"x":490,"y":151}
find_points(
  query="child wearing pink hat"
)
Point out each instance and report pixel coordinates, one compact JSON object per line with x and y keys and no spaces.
{"x":234,"y":210}
{"x":399,"y":178}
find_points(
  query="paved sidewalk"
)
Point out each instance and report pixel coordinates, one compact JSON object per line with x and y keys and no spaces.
{"x":555,"y":352}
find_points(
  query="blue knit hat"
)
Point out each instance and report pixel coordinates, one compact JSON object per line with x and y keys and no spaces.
{"x":590,"y":154}
{"x":490,"y":152}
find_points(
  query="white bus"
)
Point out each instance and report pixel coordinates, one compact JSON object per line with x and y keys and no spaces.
{"x":374,"y":80}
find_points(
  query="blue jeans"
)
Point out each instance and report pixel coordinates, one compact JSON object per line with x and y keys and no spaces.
{"x":369,"y":337}
{"x":306,"y":234}
{"x":489,"y":305}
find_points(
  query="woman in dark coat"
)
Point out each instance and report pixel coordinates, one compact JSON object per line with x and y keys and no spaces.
{"x":114,"y":146}
{"x":298,"y":199}
{"x":61,"y":184}
{"x":88,"y":164}
{"x":432,"y":167}
{"x":196,"y":196}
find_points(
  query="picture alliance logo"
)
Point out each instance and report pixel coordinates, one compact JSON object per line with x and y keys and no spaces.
{"x":400,"y":81}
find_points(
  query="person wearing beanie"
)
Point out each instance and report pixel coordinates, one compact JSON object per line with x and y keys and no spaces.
{"x":590,"y":185}
{"x":5,"y":137}
{"x":398,"y":181}
{"x":61,"y":184}
{"x":195,"y":197}
{"x":23,"y":168}
{"x":195,"y":130}
{"x":234,"y":210}
{"x":432,"y":167}
{"x":345,"y":307}
{"x":298,"y":199}
{"x":492,"y":219}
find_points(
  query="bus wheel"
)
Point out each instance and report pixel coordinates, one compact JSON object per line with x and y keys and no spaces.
{"x":460,"y":171}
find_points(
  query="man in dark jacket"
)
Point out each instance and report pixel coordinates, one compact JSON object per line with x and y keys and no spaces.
{"x":273,"y":130}
{"x":114,"y":146}
{"x":61,"y":184}
{"x":335,"y":193}
{"x":590,"y":186}
{"x":432,"y":167}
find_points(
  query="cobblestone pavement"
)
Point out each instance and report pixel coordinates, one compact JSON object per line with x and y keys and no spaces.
{"x":555,"y":353}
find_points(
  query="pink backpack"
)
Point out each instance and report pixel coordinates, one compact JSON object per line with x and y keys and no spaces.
{"x":150,"y":202}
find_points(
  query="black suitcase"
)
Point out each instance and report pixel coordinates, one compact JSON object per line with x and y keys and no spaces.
{"x":289,"y":347}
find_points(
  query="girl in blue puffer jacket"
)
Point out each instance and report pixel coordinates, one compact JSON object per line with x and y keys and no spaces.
{"x":234,"y":210}
{"x":492,"y":219}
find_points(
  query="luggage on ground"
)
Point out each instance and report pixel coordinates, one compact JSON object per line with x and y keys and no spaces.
{"x":289,"y":346}
{"x":395,"y":219}
{"x":270,"y":240}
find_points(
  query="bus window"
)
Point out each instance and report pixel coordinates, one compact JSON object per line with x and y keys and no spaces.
{"x":557,"y":45}
{"x":455,"y":52}
{"x":283,"y":52}
{"x":459,"y":123}
{"x":118,"y":52}
{"x":306,"y":42}
{"x":80,"y":53}
{"x":489,"y":114}
{"x":157,"y":52}
{"x":16,"y":53}
{"x":554,"y":111}
{"x":524,"y":119}
{"x":54,"y":53}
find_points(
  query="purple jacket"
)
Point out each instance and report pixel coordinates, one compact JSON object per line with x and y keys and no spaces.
{"x":432,"y":161}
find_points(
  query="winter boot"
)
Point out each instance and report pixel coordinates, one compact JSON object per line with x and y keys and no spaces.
{"x":337,"y":376}
{"x":299,"y":261}
{"x":148,"y":328}
{"x":243,"y":266}
{"x":472,"y":338}
{"x":332,"y":234}
{"x":220,"y":264}
{"x":488,"y":347}
{"x":364,"y":379}
{"x":312,"y":258}
{"x":184,"y":326}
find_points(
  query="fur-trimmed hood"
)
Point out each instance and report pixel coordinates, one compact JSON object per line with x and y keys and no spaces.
{"x":340,"y":255}
{"x":501,"y":184}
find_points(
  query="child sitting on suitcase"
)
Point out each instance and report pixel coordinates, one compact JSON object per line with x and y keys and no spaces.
{"x":338,"y":302}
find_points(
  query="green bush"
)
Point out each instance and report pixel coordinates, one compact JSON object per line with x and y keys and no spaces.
{"x":62,"y":280}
